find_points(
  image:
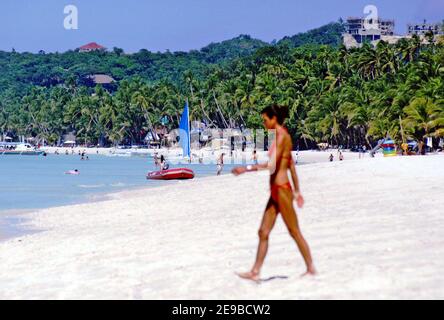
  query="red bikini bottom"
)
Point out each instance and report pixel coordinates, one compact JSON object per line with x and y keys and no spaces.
{"x":275,"y":190}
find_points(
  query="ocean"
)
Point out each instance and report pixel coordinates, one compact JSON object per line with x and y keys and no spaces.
{"x":33,"y":182}
{"x":36,"y":182}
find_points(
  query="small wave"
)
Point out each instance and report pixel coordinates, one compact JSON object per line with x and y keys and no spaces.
{"x":91,"y":186}
{"x":118,"y":184}
{"x":119,"y":155}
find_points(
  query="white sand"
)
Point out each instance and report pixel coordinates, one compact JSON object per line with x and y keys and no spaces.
{"x":375,"y":227}
{"x":305,"y":156}
{"x":311,"y":156}
{"x":62,"y":150}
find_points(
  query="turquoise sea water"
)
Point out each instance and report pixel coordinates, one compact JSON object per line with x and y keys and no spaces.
{"x":31,"y":182}
{"x":35,"y":182}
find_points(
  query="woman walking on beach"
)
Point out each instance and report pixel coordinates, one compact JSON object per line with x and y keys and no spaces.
{"x":281,"y":197}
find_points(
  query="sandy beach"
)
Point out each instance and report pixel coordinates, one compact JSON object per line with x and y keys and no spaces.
{"x":375,"y":227}
{"x":306,"y":156}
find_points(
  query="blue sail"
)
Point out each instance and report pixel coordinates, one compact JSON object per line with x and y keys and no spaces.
{"x":184,"y":131}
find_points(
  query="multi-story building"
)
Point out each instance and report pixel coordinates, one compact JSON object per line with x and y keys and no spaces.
{"x":362,"y":29}
{"x":423,"y":28}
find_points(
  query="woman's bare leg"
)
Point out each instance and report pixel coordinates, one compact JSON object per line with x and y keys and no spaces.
{"x":267,"y":225}
{"x":291,"y":221}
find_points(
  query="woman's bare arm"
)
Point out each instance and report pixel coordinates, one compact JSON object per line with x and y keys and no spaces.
{"x":256,"y":167}
{"x":297,"y":191}
{"x":270,"y":165}
{"x":294,"y":177}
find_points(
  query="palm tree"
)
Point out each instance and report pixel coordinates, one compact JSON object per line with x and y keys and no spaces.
{"x":419,"y":121}
{"x":438,"y":119}
{"x":409,"y":49}
{"x":366,"y":62}
{"x":142,"y":101}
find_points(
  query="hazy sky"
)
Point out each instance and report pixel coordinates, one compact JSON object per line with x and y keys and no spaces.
{"x":33,"y":25}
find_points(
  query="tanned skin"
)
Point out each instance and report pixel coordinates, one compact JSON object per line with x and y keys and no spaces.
{"x":279,"y":164}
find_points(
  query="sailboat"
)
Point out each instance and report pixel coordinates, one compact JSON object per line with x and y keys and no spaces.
{"x":185,"y":142}
{"x":184,"y":132}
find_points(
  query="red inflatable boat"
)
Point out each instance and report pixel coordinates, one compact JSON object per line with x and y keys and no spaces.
{"x":171,"y":174}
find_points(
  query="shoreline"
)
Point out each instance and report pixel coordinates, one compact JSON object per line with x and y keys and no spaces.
{"x":367,"y":238}
{"x":23,"y":218}
{"x":374,"y":227}
{"x":308,"y":157}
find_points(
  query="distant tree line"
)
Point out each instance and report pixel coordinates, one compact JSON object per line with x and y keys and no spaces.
{"x":339,"y":96}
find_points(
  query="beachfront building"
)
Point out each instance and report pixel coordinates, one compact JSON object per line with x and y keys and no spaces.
{"x":91,"y":47}
{"x":158,"y":137}
{"x":69,"y":140}
{"x":424,"y":28}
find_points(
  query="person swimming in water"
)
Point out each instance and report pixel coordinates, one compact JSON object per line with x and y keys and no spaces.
{"x":281,"y":195}
{"x":73,"y":172}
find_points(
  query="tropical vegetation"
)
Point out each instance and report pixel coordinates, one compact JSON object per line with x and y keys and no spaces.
{"x":336,"y":95}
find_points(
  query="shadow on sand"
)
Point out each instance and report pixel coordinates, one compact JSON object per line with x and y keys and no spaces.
{"x":273,"y":278}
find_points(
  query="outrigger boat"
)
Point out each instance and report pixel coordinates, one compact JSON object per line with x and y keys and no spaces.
{"x":23,"y":149}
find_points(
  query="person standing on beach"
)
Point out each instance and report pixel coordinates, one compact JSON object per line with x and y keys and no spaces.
{"x":220,"y":164}
{"x":163,"y":163}
{"x":281,"y":195}
{"x":331,"y":158}
{"x":156,"y":159}
{"x":255,"y":157}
